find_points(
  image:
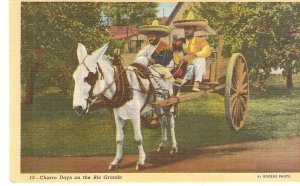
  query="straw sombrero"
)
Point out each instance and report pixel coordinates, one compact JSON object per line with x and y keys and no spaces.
{"x":162,"y":30}
{"x":191,"y":21}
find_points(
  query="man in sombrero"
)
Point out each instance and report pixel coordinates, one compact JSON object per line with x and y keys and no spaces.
{"x":195,"y":49}
{"x":157,"y":51}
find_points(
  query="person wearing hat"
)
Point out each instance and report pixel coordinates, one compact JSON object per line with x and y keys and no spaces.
{"x":157,"y":51}
{"x":195,"y":49}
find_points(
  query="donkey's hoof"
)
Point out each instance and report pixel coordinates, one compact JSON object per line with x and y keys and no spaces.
{"x":113,"y":167}
{"x":174,"y":151}
{"x":139,"y":167}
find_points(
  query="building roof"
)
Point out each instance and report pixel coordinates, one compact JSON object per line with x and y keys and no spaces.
{"x":180,"y":5}
{"x":162,"y":21}
{"x":174,"y":13}
{"x":121,"y":32}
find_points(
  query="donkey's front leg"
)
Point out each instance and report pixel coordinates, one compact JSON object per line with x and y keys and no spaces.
{"x":120,"y":141}
{"x":172,"y":129}
{"x":139,"y":140}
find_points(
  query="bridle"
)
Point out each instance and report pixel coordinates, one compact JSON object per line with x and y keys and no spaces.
{"x":91,"y":79}
{"x":122,"y":92}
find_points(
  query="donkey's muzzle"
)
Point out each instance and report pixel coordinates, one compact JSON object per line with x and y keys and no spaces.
{"x":79,"y":110}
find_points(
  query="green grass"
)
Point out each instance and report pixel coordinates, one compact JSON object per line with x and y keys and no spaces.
{"x":49,"y":127}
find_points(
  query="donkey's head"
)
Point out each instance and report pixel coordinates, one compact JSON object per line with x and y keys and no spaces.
{"x":86,"y":76}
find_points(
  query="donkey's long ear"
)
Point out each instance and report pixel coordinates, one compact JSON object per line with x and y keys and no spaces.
{"x":81,"y":52}
{"x":100,"y":52}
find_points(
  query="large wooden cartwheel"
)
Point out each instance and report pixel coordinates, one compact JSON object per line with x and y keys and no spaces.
{"x":236,"y":92}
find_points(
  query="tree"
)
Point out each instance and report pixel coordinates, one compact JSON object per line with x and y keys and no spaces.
{"x":50,"y":32}
{"x":133,"y":13}
{"x":266,"y":33}
{"x":49,"y":36}
{"x":284,"y":50}
{"x":130,"y":14}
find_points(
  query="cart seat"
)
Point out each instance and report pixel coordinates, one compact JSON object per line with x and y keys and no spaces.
{"x":212,"y":59}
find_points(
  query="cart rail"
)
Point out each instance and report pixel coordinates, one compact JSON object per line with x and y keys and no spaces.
{"x":189,"y":96}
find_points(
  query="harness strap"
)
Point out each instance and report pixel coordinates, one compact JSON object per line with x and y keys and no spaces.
{"x":142,"y":70}
{"x":138,"y":75}
{"x":122,"y":94}
{"x":149,"y":92}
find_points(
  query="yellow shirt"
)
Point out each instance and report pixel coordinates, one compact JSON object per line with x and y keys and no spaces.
{"x":197,"y":46}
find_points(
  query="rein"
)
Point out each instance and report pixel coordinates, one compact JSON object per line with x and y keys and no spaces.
{"x":92,"y":81}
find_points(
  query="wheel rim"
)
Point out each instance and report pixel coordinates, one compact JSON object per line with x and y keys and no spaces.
{"x":237,"y":92}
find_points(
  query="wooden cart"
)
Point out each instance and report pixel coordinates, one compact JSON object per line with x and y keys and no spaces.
{"x":228,"y":76}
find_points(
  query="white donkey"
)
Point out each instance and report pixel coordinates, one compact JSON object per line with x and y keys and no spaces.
{"x":95,"y":75}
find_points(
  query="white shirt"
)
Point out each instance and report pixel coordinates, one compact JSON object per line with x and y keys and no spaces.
{"x":145,"y":53}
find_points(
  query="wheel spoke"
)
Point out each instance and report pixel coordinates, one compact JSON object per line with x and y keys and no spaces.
{"x":241,"y":112}
{"x":234,"y":90}
{"x":244,"y":96}
{"x":242,"y":77}
{"x":244,"y":101}
{"x":232,"y":107}
{"x":235,"y":76}
{"x":235,"y":68}
{"x":234,"y":82}
{"x":233,"y":97}
{"x":243,"y":92}
{"x":233,"y":116}
{"x":233,"y":100}
{"x":244,"y":86}
{"x":240,"y":115}
{"x":240,"y":65}
{"x":237,"y":121}
{"x":234,"y":110}
{"x":244,"y":105}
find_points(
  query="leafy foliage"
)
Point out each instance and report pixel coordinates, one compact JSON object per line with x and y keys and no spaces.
{"x":267,"y":34}
{"x":58,"y":27}
{"x":50,"y":32}
{"x":125,"y":14}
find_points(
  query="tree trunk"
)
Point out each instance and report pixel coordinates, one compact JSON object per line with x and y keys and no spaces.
{"x":289,"y":78}
{"x":29,"y":89}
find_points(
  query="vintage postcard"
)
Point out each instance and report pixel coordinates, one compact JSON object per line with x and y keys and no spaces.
{"x":155,"y":91}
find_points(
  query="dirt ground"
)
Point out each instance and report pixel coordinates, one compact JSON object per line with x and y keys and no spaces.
{"x":281,"y":155}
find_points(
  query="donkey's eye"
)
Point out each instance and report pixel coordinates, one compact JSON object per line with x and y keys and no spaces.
{"x":91,"y":78}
